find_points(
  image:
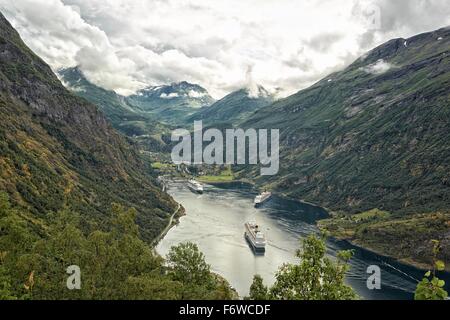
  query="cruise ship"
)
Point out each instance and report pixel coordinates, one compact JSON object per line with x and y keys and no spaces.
{"x":261,"y":198}
{"x":195,"y":186}
{"x":255,"y":237}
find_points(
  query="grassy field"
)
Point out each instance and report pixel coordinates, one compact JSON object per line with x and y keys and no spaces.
{"x":159,"y":165}
{"x":224,"y":176}
{"x":212,"y":179}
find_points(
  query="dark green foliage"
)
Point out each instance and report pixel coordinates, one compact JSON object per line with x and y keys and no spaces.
{"x":188,"y":264}
{"x":114,"y":264}
{"x":258,"y":291}
{"x":317,"y":277}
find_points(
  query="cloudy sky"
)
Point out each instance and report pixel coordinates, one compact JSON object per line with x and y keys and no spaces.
{"x":126,"y":45}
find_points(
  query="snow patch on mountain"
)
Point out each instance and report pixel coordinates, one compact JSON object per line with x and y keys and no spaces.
{"x":172,"y":95}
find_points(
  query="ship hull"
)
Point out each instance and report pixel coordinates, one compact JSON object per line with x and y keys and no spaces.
{"x":262,"y":198}
{"x":256,"y":248}
{"x":194,"y":190}
{"x":260,"y":203}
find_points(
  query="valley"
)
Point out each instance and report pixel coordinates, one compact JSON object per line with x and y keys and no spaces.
{"x":365,"y":138}
{"x":363,"y":157}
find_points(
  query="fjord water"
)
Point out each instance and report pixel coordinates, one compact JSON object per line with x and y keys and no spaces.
{"x":215,"y":222}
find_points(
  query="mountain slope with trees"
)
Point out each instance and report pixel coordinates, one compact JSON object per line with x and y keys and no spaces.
{"x":66,"y":181}
{"x":58,"y":150}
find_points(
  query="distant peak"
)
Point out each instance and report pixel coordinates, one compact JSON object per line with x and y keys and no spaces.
{"x":72,"y":73}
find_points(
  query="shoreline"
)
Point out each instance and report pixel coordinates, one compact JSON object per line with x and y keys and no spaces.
{"x":173,"y":221}
{"x":418,"y":266}
{"x":409,"y":263}
{"x":331,"y":213}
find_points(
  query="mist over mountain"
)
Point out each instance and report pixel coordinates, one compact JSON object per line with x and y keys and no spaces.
{"x":112,"y":104}
{"x":145,"y":110}
{"x":151,"y":134}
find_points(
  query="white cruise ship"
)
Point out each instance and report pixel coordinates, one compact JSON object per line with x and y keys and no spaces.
{"x":261,"y":198}
{"x":195,"y":186}
{"x":255,"y":237}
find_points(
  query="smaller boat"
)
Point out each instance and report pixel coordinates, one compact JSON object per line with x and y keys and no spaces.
{"x":195,"y":186}
{"x":261,"y":198}
{"x":255,"y":237}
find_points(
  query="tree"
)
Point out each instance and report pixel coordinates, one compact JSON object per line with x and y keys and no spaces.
{"x":258,"y":291}
{"x":152,"y":287}
{"x":5,"y":284}
{"x":431,"y":287}
{"x":115,"y":263}
{"x":223,"y":291}
{"x":15,"y":240}
{"x":188,"y":265}
{"x":106,"y":259}
{"x":317,"y":277}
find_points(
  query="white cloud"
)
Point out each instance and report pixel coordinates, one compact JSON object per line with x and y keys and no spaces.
{"x":196,"y":95}
{"x":126,"y":45}
{"x":251,"y":85}
{"x":378,"y":67}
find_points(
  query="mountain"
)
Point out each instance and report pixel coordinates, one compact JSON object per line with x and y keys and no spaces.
{"x":131,"y":121}
{"x":373,"y":136}
{"x":58,"y":151}
{"x":113,"y":105}
{"x":171,"y":103}
{"x":234,"y":107}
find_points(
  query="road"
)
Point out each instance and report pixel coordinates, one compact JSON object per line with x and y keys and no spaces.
{"x":169,"y":226}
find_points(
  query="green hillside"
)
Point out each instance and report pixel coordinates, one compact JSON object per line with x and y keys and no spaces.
{"x":233,"y":108}
{"x":58,"y":150}
{"x":374,"y":135}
